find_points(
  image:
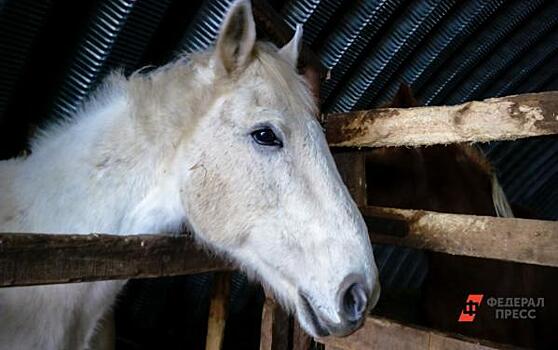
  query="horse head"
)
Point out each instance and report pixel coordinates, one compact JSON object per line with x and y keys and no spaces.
{"x":257,"y":181}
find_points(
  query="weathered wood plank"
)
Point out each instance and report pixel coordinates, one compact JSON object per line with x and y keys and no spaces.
{"x":27,"y":259}
{"x":218,"y":311}
{"x":380,"y":333}
{"x":519,"y":240}
{"x":301,"y":339}
{"x":505,"y":118}
{"x":351,"y":166}
{"x":274,"y":333}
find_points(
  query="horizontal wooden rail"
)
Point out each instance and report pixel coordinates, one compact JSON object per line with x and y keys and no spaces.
{"x":380,"y":333}
{"x":519,"y":240}
{"x":28,"y":259}
{"x":505,"y":118}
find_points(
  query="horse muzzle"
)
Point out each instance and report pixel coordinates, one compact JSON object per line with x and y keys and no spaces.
{"x":354,"y":301}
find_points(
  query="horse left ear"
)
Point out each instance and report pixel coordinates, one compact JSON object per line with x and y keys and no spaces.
{"x":404,"y":98}
{"x":291,"y":50}
{"x":237,"y":37}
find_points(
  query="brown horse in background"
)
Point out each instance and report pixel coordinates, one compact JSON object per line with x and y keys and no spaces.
{"x":459,"y":179}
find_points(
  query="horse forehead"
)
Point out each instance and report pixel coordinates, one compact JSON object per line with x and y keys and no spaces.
{"x":262,"y":93}
{"x":274,"y":88}
{"x":272,"y":105}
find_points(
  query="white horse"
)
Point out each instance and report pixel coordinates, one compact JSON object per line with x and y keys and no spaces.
{"x":224,"y":142}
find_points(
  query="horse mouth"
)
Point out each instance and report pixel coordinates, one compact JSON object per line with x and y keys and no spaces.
{"x":321,"y":326}
{"x":319,"y":329}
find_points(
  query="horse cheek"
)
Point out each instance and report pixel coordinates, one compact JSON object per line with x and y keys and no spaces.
{"x":212,"y":210}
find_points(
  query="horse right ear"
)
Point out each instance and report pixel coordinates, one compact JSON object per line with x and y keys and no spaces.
{"x":291,"y":50}
{"x":237,"y":37}
{"x":404,"y":98}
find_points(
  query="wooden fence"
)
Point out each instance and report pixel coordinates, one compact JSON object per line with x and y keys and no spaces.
{"x":31,"y":259}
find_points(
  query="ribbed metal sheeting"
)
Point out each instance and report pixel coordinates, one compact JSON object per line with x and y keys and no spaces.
{"x":106,"y":45}
{"x":91,"y":55}
{"x":528,"y":172}
{"x":203,"y":30}
{"x":19,"y":24}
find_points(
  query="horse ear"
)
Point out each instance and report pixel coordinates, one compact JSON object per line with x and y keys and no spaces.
{"x":404,"y":98}
{"x":237,"y":37}
{"x":291,"y":50}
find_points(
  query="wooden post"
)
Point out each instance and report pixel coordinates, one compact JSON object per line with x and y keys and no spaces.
{"x":218,"y":311}
{"x":301,"y":339}
{"x":351,"y":166}
{"x":504,"y":118}
{"x":275,"y":327}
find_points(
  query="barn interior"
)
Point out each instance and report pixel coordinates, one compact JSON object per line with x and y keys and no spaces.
{"x":54,"y":54}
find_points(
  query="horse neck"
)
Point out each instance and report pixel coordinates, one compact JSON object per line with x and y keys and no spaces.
{"x":93,"y":175}
{"x":439,"y":178}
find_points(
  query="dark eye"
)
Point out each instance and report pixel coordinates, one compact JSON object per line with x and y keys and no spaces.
{"x":266,"y":137}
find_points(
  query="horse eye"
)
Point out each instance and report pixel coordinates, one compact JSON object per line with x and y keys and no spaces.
{"x":266,"y":137}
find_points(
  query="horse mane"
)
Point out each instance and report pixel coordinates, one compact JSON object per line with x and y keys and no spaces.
{"x":404,"y":98}
{"x":109,"y":91}
{"x":189,"y":81}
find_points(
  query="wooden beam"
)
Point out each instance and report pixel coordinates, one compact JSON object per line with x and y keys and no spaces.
{"x":274,"y":333}
{"x":519,"y":240}
{"x":505,"y":118}
{"x":380,"y":333}
{"x":351,"y":166}
{"x":28,"y":259}
{"x":301,"y":339}
{"x":218,"y":311}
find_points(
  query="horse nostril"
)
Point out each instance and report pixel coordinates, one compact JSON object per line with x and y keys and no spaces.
{"x":355,"y":302}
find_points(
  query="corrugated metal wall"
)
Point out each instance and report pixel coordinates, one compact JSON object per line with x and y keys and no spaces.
{"x":54,"y":53}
